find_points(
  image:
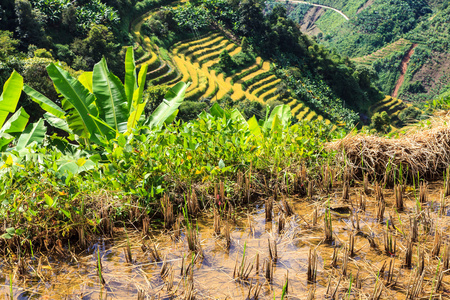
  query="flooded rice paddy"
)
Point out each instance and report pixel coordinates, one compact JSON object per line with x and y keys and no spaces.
{"x":372,"y":254}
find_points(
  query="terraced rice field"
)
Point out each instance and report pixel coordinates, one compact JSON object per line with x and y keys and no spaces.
{"x":194,"y":60}
{"x":402,"y":45}
{"x":389,"y":105}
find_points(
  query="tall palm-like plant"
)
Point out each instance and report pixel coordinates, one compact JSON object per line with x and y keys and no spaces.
{"x":16,"y":125}
{"x":97,"y":106}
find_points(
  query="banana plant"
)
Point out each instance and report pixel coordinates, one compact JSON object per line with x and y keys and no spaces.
{"x":16,"y":125}
{"x":97,"y":106}
{"x":273,"y":123}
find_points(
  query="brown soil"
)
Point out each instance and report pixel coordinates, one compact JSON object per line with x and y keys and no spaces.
{"x":366,"y":5}
{"x":308,"y":24}
{"x":403,"y":68}
{"x":434,"y":72}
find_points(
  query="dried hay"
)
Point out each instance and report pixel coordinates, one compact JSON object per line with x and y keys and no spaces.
{"x":425,"y":152}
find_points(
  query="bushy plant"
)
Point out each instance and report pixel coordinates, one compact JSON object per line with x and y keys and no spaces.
{"x":381,"y":122}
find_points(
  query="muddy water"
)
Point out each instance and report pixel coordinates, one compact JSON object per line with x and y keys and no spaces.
{"x":77,"y":276}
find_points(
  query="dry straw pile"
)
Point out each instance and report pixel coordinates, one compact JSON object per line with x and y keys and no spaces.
{"x":417,"y":151}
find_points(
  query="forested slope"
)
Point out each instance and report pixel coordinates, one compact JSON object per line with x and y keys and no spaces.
{"x":378,"y":34}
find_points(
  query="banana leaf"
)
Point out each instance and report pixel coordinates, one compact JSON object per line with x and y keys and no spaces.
{"x":130,"y":76}
{"x":10,"y":96}
{"x":33,"y":133}
{"x":45,"y":103}
{"x":111,"y":99}
{"x":172,"y":100}
{"x":79,"y":101}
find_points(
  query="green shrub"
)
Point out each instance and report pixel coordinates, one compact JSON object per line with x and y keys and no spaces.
{"x":154,"y":95}
{"x":409,"y":114}
{"x":189,"y":110}
{"x":381,"y":122}
{"x":416,"y":87}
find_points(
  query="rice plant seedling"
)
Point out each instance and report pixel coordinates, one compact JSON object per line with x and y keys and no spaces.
{"x":334,"y":294}
{"x":355,"y":221}
{"x":285,"y":286}
{"x":442,"y":206}
{"x":166,"y":269}
{"x":192,"y":203}
{"x":447,"y":182}
{"x":311,"y":272}
{"x":99,"y":268}
{"x":189,"y":293}
{"x":446,"y":257}
{"x":268,"y":270}
{"x":413,"y":225}
{"x":377,"y":289}
{"x":437,"y":243}
{"x":127,"y":254}
{"x":286,"y":208}
{"x":408,"y":254}
{"x":217,"y":221}
{"x":358,"y":281}
{"x":167,"y":206}
{"x":351,"y":244}
{"x":310,"y":189}
{"x":381,"y":206}
{"x":362,"y":202}
{"x":327,"y":181}
{"x":273,"y":252}
{"x":390,"y":242}
{"x":253,"y":291}
{"x":437,"y":281}
{"x":398,"y":191}
{"x":415,"y":286}
{"x":345,"y":194}
{"x":349,"y":292}
{"x":345,"y":261}
{"x":242,"y":271}
{"x":11,"y":291}
{"x":227,"y":235}
{"x":328,"y":226}
{"x":177,"y":229}
{"x":334,"y":257}
{"x":281,"y":223}
{"x":193,"y":240}
{"x":154,"y":254}
{"x":378,"y":193}
{"x":315,"y":217}
{"x":423,"y":192}
{"x":269,"y":208}
{"x":390,"y":280}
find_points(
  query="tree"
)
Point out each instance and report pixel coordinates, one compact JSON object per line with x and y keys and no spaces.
{"x":30,"y":21}
{"x":154,"y":95}
{"x":99,"y":43}
{"x":381,"y":122}
{"x":7,"y":45}
{"x":245,"y":45}
{"x":251,"y":18}
{"x":226,"y":63}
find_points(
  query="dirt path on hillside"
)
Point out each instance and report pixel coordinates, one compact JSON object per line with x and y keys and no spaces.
{"x":318,"y":5}
{"x":403,"y":68}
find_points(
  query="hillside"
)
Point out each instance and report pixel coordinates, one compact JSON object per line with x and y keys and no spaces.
{"x":231,"y":52}
{"x":377,"y":35}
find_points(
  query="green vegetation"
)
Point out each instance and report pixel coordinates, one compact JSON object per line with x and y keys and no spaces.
{"x":379,"y":33}
{"x":132,"y":162}
{"x":264,"y":100}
